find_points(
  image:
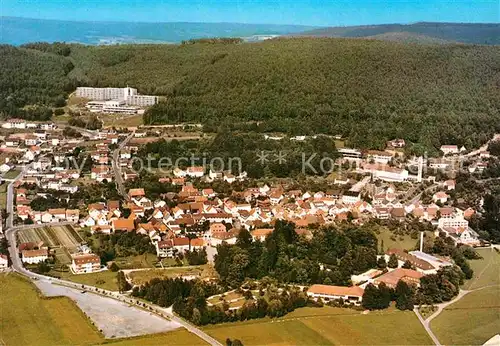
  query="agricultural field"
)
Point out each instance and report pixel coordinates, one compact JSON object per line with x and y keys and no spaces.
{"x":140,"y":277}
{"x":472,"y":320}
{"x":11,"y":174}
{"x":27,"y":318}
{"x":179,"y":337}
{"x":486,"y":270}
{"x":63,"y":239}
{"x":327,"y":326}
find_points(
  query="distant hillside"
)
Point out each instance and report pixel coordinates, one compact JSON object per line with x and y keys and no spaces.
{"x":367,"y":90}
{"x":418,"y":32}
{"x":16,"y":31}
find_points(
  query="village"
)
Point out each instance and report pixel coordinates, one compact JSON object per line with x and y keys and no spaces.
{"x":194,"y":218}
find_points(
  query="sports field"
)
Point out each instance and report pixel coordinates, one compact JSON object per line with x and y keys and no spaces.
{"x":28,"y":319}
{"x":327,"y":326}
{"x":472,"y":320}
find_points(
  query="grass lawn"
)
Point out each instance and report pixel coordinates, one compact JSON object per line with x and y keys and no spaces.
{"x":105,"y":279}
{"x":3,"y":196}
{"x":147,"y":260}
{"x":327,"y":326}
{"x":28,"y":319}
{"x":176,"y":337}
{"x":140,"y":277}
{"x":472,"y":320}
{"x":110,"y":120}
{"x":402,"y":242}
{"x":11,"y":174}
{"x":486,"y":270}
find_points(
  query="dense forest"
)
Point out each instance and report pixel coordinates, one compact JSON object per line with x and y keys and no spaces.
{"x":369,"y":91}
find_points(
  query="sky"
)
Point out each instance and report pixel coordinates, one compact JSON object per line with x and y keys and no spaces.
{"x":298,"y":12}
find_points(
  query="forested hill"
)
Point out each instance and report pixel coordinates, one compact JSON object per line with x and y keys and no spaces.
{"x":365,"y":89}
{"x":426,"y":32}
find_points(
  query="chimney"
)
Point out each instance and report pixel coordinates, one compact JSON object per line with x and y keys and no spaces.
{"x":421,"y":241}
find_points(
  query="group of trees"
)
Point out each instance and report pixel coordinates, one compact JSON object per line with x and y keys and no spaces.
{"x":120,"y":244}
{"x":368,"y":91}
{"x":189,"y":300}
{"x":196,"y":257}
{"x":290,"y":258}
{"x":258,"y":157}
{"x":33,"y":78}
{"x":377,"y":298}
{"x":90,"y":122}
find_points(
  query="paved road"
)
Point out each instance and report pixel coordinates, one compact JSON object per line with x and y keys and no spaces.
{"x":10,"y":197}
{"x":17,"y":266}
{"x":425,"y":324}
{"x":117,"y":169}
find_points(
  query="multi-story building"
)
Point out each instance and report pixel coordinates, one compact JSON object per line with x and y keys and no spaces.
{"x":85,"y":263}
{"x":34,"y":256}
{"x":115,"y":100}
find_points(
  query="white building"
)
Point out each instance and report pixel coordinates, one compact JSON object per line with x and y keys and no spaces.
{"x":126,"y":96}
{"x":34,"y":256}
{"x":85,"y":263}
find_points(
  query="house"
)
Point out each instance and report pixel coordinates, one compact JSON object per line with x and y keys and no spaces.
{"x":449,"y":185}
{"x":352,"y":295}
{"x":351,"y":197}
{"x":391,"y":278}
{"x":397,"y":143}
{"x":4,"y":262}
{"x":126,"y":225}
{"x":34,"y":256}
{"x":449,"y":149}
{"x":462,"y":235}
{"x":165,"y":248}
{"x":135,"y":193}
{"x":72,"y":215}
{"x":378,"y":156}
{"x":261,"y":233}
{"x":218,"y":238}
{"x":82,"y":263}
{"x":14,"y":123}
{"x":440,"y":197}
{"x":195,"y":172}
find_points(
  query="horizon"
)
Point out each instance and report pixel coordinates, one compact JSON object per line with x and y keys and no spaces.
{"x":239,"y":23}
{"x":314,"y":13}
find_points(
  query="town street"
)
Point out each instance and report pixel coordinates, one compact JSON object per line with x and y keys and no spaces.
{"x":116,"y":166}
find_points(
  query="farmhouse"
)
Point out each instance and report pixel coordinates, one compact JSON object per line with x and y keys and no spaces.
{"x":353,"y":294}
{"x":85,"y":263}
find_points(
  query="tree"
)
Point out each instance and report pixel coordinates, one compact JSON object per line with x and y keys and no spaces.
{"x":393,"y":261}
{"x":42,"y":267}
{"x":114,"y":267}
{"x":123,"y":284}
{"x":381,"y":263}
{"x":375,"y":298}
{"x":404,"y":296}
{"x":407,"y":265}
